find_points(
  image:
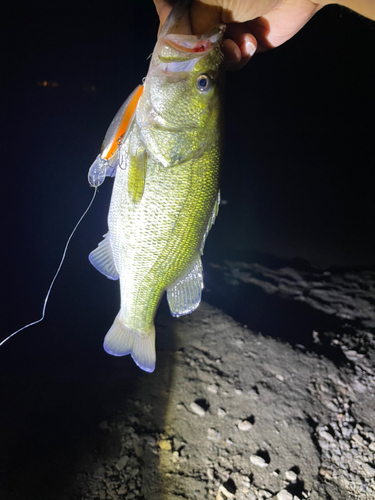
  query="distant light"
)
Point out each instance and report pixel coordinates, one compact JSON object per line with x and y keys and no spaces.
{"x":89,"y":88}
{"x":45,"y":83}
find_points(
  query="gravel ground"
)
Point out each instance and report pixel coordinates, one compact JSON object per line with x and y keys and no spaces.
{"x":275,"y":400}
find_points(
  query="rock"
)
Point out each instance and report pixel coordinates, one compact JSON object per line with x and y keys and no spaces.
{"x":221,"y":412}
{"x":264,"y":494}
{"x":213,"y":388}
{"x":280,"y":377}
{"x":213,"y":434}
{"x":258,"y":461}
{"x":165,"y":444}
{"x":98,"y":470}
{"x":372,"y":446}
{"x":121,"y":463}
{"x":368,"y":470}
{"x":284,"y":495}
{"x":358,"y":439}
{"x":122,"y":490}
{"x":244,"y":425}
{"x":198,"y":410}
{"x":138,"y":450}
{"x":326,"y":473}
{"x":325,"y":435}
{"x":227,"y":493}
{"x":291,"y":476}
{"x":353,"y":355}
{"x":210,"y":474}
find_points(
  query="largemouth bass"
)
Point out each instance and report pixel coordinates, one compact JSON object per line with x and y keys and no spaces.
{"x":164,"y":147}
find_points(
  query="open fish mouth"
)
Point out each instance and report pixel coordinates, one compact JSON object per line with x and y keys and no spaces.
{"x":180,"y":53}
{"x":193,"y":44}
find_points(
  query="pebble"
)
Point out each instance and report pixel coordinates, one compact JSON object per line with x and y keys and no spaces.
{"x":213,"y":434}
{"x":280,"y":377}
{"x":221,"y":412}
{"x":372,"y":446}
{"x":264,"y":494}
{"x":122,"y":462}
{"x":358,"y":439}
{"x":165,"y":444}
{"x":326,"y":473}
{"x":244,"y":425}
{"x":368,"y":470}
{"x":228,"y":494}
{"x":258,"y":461}
{"x":291,"y":476}
{"x":138,"y":450}
{"x":326,"y":435}
{"x":284,"y":495}
{"x":98,"y":470}
{"x":213,"y":388}
{"x":198,"y":410}
{"x":210,"y":474}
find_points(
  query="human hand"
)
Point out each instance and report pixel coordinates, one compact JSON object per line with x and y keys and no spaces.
{"x":251,"y":26}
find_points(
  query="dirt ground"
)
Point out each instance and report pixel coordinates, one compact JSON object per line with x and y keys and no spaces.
{"x":268,"y":393}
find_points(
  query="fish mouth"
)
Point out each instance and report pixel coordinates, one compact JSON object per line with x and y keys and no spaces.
{"x":180,"y":53}
{"x":191,"y":44}
{"x":194,"y":45}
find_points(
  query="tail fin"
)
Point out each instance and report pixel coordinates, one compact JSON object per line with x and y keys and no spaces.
{"x":121,"y":340}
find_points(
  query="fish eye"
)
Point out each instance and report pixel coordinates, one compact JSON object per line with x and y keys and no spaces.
{"x":204,"y":83}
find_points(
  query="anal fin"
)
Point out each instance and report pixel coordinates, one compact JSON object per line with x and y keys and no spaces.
{"x":184,"y":295}
{"x":102,"y":259}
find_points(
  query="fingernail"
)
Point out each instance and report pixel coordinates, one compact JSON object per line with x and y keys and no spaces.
{"x":250,"y":48}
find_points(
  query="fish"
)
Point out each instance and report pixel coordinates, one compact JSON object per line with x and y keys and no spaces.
{"x":164,"y":148}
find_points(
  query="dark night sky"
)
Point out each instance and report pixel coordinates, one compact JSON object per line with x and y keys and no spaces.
{"x":298,"y":174}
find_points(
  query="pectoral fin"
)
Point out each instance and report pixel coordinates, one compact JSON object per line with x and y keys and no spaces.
{"x":102,"y":259}
{"x":137,"y":175}
{"x":184,"y":296}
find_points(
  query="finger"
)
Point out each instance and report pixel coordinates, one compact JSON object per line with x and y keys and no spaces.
{"x":204,"y":17}
{"x":238,"y":52}
{"x":163,"y":8}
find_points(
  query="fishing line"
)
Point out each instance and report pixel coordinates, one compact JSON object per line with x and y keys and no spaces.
{"x":56,"y":274}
